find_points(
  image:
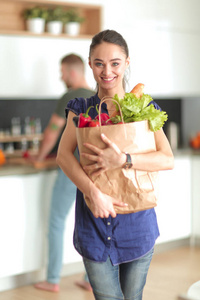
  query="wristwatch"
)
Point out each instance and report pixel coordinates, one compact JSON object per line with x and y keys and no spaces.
{"x":128,"y":164}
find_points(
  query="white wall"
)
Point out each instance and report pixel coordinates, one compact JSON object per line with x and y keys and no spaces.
{"x":164,"y":42}
{"x":31,"y":65}
{"x":163,"y":38}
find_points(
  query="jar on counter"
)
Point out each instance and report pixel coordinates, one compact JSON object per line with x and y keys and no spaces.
{"x":24,"y":145}
{"x":15,"y":126}
{"x":173,"y":135}
{"x":38,"y":126}
{"x":9,"y":148}
{"x":32,"y":126}
{"x":27,"y":126}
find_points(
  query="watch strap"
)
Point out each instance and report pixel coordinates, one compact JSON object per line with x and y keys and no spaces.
{"x":128,"y":164}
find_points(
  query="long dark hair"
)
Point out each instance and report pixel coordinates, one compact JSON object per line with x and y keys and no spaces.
{"x":109,"y":36}
{"x":112,"y":37}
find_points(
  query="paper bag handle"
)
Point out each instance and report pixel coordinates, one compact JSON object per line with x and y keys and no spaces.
{"x":104,"y":99}
{"x":113,"y":100}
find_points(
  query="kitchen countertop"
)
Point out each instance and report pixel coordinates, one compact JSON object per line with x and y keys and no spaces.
{"x":186,"y":151}
{"x":24,"y":168}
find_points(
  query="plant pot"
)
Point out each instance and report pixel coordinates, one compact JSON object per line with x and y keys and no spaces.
{"x":54,"y":27}
{"x":36,"y":25}
{"x":72,"y":28}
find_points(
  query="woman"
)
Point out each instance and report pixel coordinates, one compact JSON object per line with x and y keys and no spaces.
{"x":116,"y":249}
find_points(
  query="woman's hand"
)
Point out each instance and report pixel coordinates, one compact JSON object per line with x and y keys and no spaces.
{"x":102,"y":205}
{"x":104,"y":159}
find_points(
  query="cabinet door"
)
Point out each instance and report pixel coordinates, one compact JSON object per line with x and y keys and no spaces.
{"x":174,"y":203}
{"x":24,"y":202}
{"x":196,"y":197}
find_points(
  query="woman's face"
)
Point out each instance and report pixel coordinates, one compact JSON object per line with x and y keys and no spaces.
{"x":108,"y":63}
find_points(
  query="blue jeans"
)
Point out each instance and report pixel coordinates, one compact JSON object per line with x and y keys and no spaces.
{"x":122,"y":282}
{"x":63,"y":196}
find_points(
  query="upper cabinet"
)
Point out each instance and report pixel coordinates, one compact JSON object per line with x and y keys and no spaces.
{"x":12,"y":20}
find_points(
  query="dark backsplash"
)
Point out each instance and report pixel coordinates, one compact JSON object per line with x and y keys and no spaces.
{"x":43,"y":109}
{"x":173,"y":108}
{"x":35,"y":108}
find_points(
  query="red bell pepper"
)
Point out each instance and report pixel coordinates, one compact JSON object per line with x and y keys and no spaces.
{"x":93,"y":123}
{"x":104,"y":117}
{"x":84,"y":118}
{"x":108,"y":122}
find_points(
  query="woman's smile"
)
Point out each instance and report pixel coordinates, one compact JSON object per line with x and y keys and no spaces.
{"x":108,"y":79}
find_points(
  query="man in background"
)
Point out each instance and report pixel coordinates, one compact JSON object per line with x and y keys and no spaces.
{"x":64,"y":191}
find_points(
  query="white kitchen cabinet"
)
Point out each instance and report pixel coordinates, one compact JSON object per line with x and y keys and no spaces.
{"x":24,"y":201}
{"x":174,"y":203}
{"x":196,"y":197}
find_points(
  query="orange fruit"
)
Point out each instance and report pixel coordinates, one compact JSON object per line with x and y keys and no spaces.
{"x":2,"y":158}
{"x":195,"y":143}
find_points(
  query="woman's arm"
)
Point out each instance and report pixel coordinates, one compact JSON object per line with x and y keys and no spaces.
{"x":112,"y":157}
{"x":101,"y":205}
{"x":161,"y":159}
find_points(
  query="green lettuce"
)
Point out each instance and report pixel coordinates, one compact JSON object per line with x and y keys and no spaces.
{"x":134,"y":109}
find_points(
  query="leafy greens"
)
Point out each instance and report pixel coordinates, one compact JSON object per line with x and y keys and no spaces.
{"x":135,"y":109}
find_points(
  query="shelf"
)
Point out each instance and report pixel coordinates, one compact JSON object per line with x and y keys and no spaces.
{"x":18,"y":153}
{"x":19,"y":138}
{"x":12,"y":21}
{"x":35,"y":140}
{"x":44,"y":35}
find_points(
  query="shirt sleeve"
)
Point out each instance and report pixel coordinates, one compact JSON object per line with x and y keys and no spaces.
{"x":155,"y":105}
{"x":61,"y":104}
{"x":76,"y":105}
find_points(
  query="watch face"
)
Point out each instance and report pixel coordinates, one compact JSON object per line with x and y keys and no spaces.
{"x":128,"y":165}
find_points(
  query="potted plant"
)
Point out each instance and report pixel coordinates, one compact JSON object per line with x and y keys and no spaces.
{"x":72,"y":21}
{"x":35,"y":19}
{"x":55,"y":20}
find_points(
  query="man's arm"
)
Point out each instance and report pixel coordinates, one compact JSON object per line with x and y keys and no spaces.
{"x":51,"y":135}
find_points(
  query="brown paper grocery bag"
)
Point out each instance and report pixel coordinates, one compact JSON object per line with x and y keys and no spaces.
{"x":137,"y":188}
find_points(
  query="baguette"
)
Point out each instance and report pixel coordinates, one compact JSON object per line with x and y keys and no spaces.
{"x":138,"y":90}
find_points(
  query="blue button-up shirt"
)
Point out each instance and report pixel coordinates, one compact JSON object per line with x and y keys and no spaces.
{"x":124,"y":238}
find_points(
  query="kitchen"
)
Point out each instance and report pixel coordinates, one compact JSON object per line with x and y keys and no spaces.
{"x":164,"y":42}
